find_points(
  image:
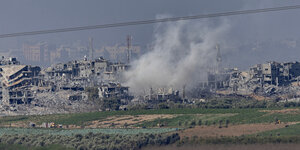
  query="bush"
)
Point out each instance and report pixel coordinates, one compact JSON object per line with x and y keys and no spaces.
{"x":227,"y":123}
{"x":193,"y":123}
{"x":199,"y":122}
{"x":93,"y":141}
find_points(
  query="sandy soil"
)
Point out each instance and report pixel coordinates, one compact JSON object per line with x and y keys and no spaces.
{"x":232,"y":130}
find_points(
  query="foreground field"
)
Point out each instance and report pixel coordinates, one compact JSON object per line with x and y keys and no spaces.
{"x":150,"y":118}
{"x":193,"y":126}
{"x":22,"y":147}
{"x":230,"y":147}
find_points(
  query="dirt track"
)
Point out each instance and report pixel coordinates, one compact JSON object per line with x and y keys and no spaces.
{"x":232,"y":130}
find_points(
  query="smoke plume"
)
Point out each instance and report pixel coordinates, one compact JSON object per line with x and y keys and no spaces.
{"x":182,"y":52}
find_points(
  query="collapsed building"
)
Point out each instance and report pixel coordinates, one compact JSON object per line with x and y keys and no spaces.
{"x":61,"y":88}
{"x":113,"y":90}
{"x":267,"y":79}
{"x":78,"y":74}
{"x":17,"y":81}
{"x":86,"y":69}
{"x":160,"y":95}
{"x":276,"y":73}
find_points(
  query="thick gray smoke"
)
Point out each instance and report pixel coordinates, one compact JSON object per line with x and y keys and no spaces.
{"x":182,"y":53}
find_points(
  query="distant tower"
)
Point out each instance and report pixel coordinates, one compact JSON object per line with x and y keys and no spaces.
{"x":183,"y":91}
{"x":151,"y":93}
{"x":129,"y":39}
{"x":219,"y":58}
{"x":91,"y":49}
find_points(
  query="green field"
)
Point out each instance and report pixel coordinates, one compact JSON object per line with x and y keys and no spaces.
{"x":241,"y":116}
{"x":177,"y":119}
{"x":26,"y":131}
{"x":292,"y":130}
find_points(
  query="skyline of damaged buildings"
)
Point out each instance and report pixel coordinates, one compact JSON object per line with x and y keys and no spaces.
{"x":268,"y":79}
{"x":21,"y":84}
{"x":44,"y":53}
{"x":26,"y":84}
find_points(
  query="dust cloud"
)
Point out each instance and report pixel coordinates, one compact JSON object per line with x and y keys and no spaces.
{"x":182,"y":54}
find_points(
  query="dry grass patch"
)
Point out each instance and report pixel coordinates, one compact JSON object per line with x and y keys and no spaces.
{"x":283,"y":111}
{"x":120,"y":121}
{"x":232,"y":130}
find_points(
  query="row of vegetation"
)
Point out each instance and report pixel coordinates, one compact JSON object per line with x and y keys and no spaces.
{"x":92,"y":141}
{"x":72,"y":132}
{"x":220,"y":103}
{"x":238,"y":140}
{"x":23,"y":147}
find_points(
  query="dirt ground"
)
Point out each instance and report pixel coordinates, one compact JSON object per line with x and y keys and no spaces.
{"x":232,"y":130}
{"x":120,"y":121}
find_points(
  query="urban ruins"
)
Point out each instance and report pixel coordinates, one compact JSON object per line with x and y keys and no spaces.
{"x":76,"y":85}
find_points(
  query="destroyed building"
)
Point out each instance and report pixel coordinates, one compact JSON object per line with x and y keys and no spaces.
{"x":9,"y":61}
{"x":162,"y":95}
{"x":16,"y":82}
{"x":113,"y":90}
{"x":263,"y":79}
{"x":267,"y":78}
{"x":218,"y":80}
{"x":276,"y":73}
{"x":86,"y":69}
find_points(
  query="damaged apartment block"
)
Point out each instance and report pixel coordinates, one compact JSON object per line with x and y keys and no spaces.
{"x":17,"y":81}
{"x":86,"y":69}
{"x":276,"y":73}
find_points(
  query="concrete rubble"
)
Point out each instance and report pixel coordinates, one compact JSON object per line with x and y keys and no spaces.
{"x":270,"y":80}
{"x":60,"y":88}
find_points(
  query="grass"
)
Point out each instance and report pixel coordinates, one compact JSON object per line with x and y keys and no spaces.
{"x":81,"y":118}
{"x":292,"y":130}
{"x":186,"y":118}
{"x":243,"y":116}
{"x":29,"y":131}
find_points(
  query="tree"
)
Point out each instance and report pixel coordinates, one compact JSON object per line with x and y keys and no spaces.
{"x":206,"y":123}
{"x":200,"y":122}
{"x":220,"y":123}
{"x":193,"y":123}
{"x":226,"y":123}
{"x":179,"y":123}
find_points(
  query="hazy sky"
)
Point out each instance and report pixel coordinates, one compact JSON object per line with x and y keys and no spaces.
{"x":30,"y":15}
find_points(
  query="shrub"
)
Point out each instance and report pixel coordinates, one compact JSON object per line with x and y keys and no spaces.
{"x":200,"y":122}
{"x":227,"y":123}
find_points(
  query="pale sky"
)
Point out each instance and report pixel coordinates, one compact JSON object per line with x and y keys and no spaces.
{"x":30,"y":15}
